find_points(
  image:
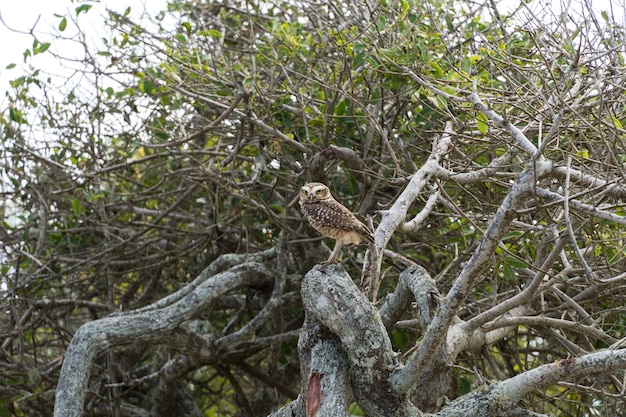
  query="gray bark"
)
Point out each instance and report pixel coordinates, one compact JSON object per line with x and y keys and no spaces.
{"x":332,"y":299}
{"x":159,"y":326}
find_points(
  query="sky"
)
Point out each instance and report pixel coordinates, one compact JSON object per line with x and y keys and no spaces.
{"x":38,"y":16}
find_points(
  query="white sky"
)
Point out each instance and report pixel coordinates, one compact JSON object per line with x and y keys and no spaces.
{"x":38,"y":16}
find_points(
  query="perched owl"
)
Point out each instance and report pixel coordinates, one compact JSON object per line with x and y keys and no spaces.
{"x":330,"y":218}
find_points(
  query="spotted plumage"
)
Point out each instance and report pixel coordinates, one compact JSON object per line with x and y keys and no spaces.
{"x":330,"y":218}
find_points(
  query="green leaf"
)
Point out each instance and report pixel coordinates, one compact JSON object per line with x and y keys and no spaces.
{"x":341,"y":108}
{"x":181,"y":38}
{"x":583,"y":153}
{"x":405,"y":9}
{"x":474,"y":59}
{"x":215,"y":34}
{"x":437,"y":68}
{"x":358,"y":60}
{"x":617,"y":123}
{"x":514,"y":234}
{"x":604,"y":15}
{"x":62,"y":24}
{"x":464,"y":386}
{"x":10,"y":66}
{"x":187,"y":26}
{"x":466,"y":65}
{"x":516,"y":263}
{"x":83,"y":8}
{"x":76,"y":207}
{"x":509,"y":273}
{"x":15,"y":115}
{"x":481,"y":123}
{"x":42,"y":48}
{"x":147,"y":87}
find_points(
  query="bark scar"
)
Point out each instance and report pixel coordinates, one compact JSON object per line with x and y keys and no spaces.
{"x":314,"y":394}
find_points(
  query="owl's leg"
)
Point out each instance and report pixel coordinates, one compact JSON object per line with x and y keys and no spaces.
{"x":334,"y":256}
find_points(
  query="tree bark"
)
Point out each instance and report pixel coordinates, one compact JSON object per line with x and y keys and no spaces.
{"x":331,"y":298}
{"x":159,"y":326}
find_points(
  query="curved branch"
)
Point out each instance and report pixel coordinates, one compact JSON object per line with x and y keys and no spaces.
{"x":459,"y":338}
{"x":253,"y":325}
{"x":414,"y":284}
{"x":500,"y":398}
{"x":480,"y":174}
{"x":352,"y":160}
{"x":158,"y":326}
{"x":396,"y":215}
{"x":415,"y":222}
{"x":223,"y":261}
{"x":347,"y":313}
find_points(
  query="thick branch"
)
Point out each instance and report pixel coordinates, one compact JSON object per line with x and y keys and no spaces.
{"x":347,"y":313}
{"x":605,"y":361}
{"x":327,"y":389}
{"x":582,"y":207}
{"x":499,"y":398}
{"x":157,"y":326}
{"x":222,"y":262}
{"x":479,"y":174}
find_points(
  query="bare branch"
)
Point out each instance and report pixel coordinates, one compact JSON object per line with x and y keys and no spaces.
{"x":404,"y":378}
{"x":396,"y":215}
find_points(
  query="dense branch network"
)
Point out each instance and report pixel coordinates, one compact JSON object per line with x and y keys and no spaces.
{"x":156,"y":257}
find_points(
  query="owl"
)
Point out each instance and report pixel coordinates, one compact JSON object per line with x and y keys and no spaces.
{"x":330,"y":218}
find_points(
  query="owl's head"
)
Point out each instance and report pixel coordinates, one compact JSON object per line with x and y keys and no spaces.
{"x":314,"y":191}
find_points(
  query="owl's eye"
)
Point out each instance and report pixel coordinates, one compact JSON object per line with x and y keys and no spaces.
{"x":319,"y":192}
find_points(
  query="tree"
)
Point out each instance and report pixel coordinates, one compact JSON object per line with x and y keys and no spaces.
{"x":156,"y":263}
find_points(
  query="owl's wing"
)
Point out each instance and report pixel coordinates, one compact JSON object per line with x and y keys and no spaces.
{"x":366,"y":233}
{"x":345,"y":219}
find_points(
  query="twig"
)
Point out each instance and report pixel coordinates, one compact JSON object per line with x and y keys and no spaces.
{"x":568,"y":222}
